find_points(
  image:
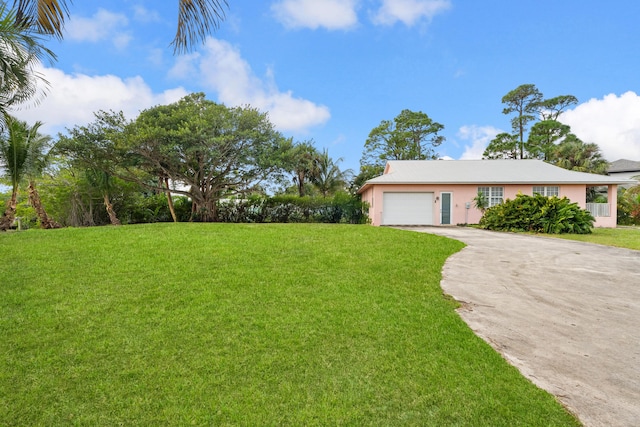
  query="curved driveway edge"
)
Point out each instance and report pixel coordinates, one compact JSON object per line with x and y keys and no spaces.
{"x":565,"y":313}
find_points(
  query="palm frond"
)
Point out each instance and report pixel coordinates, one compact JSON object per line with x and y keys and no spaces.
{"x":22,"y":149}
{"x":21,"y":51}
{"x":48,"y":16}
{"x":196,"y":20}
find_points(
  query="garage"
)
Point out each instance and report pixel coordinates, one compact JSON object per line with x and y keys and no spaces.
{"x":407,"y":208}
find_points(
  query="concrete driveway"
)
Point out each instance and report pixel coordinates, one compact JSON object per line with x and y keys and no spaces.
{"x":566,"y":314}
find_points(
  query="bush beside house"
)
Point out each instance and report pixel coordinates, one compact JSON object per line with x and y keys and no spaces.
{"x":538,"y":214}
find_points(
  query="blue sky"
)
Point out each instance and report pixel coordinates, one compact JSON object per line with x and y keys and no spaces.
{"x":331,"y":70}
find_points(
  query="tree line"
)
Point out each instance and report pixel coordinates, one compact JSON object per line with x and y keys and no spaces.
{"x":537,"y":133}
{"x":187,"y":160}
{"x":195,"y":150}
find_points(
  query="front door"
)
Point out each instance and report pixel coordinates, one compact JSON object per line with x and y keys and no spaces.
{"x":445,"y":208}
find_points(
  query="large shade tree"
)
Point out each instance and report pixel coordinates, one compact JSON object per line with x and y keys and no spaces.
{"x":93,"y":150}
{"x":411,"y":135}
{"x":543,"y":138}
{"x":209,"y":150}
{"x":196,"y":18}
{"x":82,"y":197}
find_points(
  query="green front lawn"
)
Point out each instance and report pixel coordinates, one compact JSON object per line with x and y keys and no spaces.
{"x":225,"y":324}
{"x":623,"y":237}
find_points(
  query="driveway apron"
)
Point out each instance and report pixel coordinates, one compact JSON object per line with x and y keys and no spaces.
{"x":566,"y":314}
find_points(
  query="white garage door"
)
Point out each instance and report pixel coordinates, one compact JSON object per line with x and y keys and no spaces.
{"x":407,"y":209}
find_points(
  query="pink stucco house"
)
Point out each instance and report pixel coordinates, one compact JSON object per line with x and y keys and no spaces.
{"x":441,"y":192}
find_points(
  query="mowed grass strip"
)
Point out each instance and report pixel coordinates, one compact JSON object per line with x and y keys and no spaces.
{"x":622,"y":237}
{"x":226,"y":324}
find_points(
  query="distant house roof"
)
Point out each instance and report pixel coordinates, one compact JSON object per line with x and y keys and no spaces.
{"x":624,"y":165}
{"x":484,"y":172}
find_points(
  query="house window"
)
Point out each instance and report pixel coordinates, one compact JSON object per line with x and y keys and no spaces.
{"x":494,"y":195}
{"x":547,"y":191}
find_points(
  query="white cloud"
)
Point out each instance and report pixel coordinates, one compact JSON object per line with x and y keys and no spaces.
{"x":73,"y":99}
{"x":409,"y":11}
{"x":479,"y":137}
{"x":220,"y":67}
{"x":156,"y":56}
{"x":142,"y":14}
{"x":612,"y":122}
{"x":330,"y":14}
{"x":121,"y":41}
{"x":103,"y":25}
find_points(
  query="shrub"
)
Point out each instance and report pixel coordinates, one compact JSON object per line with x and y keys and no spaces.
{"x":629,"y":206}
{"x":26,"y":215}
{"x":341,"y":208}
{"x":146,"y":208}
{"x":538,"y":214}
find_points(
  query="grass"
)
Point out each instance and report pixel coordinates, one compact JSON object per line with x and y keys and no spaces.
{"x":622,"y":237}
{"x":224,"y":324}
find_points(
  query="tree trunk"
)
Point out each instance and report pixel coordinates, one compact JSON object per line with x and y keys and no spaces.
{"x":213,"y":208}
{"x":204,"y":209}
{"x":10,"y":213}
{"x":301,"y":183}
{"x":87,"y":213}
{"x":207,"y":211}
{"x":112,"y":214}
{"x":194,"y":209}
{"x":170,"y":201}
{"x":203,"y":205}
{"x":36,"y":203}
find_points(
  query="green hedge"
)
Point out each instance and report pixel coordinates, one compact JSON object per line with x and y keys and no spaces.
{"x":342,"y":208}
{"x":154,"y":208}
{"x":538,"y":214}
{"x":141,"y":208}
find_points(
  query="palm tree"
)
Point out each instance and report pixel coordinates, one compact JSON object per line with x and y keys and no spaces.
{"x":37,"y":162}
{"x":22,"y":155}
{"x":196,"y":18}
{"x":329,"y":178}
{"x":576,"y":155}
{"x":20,"y":51}
{"x":13,"y":156}
{"x":304,"y":161}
